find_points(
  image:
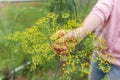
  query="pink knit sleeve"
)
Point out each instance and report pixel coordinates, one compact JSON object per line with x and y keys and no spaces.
{"x":103,"y":9}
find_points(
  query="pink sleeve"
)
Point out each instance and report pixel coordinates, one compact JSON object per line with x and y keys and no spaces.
{"x":103,"y":9}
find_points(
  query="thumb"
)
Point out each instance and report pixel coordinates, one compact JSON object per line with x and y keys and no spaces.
{"x":66,"y":37}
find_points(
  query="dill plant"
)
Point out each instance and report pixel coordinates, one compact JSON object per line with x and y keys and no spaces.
{"x":38,"y":40}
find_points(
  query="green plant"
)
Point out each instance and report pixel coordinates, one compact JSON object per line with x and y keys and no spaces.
{"x":16,"y":17}
{"x":38,"y":40}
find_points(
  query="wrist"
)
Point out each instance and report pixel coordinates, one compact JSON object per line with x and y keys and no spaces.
{"x":78,"y":33}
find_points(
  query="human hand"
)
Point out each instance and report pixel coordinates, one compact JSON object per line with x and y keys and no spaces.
{"x":58,"y":35}
{"x":64,"y":41}
{"x":55,"y":37}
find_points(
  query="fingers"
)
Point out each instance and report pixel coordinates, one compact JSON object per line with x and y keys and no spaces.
{"x":66,"y":37}
{"x":61,"y":33}
{"x":58,"y":35}
{"x":59,"y":49}
{"x":63,"y":37}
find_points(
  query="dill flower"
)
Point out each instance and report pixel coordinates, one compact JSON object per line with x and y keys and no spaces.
{"x":65,"y":15}
{"x":104,"y":66}
{"x":85,"y":67}
{"x":72,"y":22}
{"x":40,"y":21}
{"x":38,"y":41}
{"x":52,"y":16}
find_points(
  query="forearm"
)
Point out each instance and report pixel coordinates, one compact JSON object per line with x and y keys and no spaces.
{"x":90,"y":23}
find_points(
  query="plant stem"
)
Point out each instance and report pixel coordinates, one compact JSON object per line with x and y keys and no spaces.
{"x":76,"y":15}
{"x":71,"y":76}
{"x":57,"y":68}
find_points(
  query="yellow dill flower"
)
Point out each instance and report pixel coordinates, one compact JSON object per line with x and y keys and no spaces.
{"x":65,"y":15}
{"x":104,"y":66}
{"x":36,"y":60}
{"x":71,"y":22}
{"x":52,"y":15}
{"x":64,"y":57}
{"x":68,"y":68}
{"x":40,"y":21}
{"x":85,"y":67}
{"x":35,"y":42}
{"x":109,"y":57}
{"x":45,"y":19}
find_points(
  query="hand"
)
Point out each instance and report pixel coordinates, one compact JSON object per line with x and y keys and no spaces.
{"x":77,"y":34}
{"x":58,"y":35}
{"x":64,"y":40}
{"x":68,"y":36}
{"x":55,"y":37}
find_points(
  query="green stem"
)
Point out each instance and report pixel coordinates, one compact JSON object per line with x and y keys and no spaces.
{"x":2,"y":27}
{"x":76,"y":15}
{"x":57,"y":68}
{"x":71,"y":76}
